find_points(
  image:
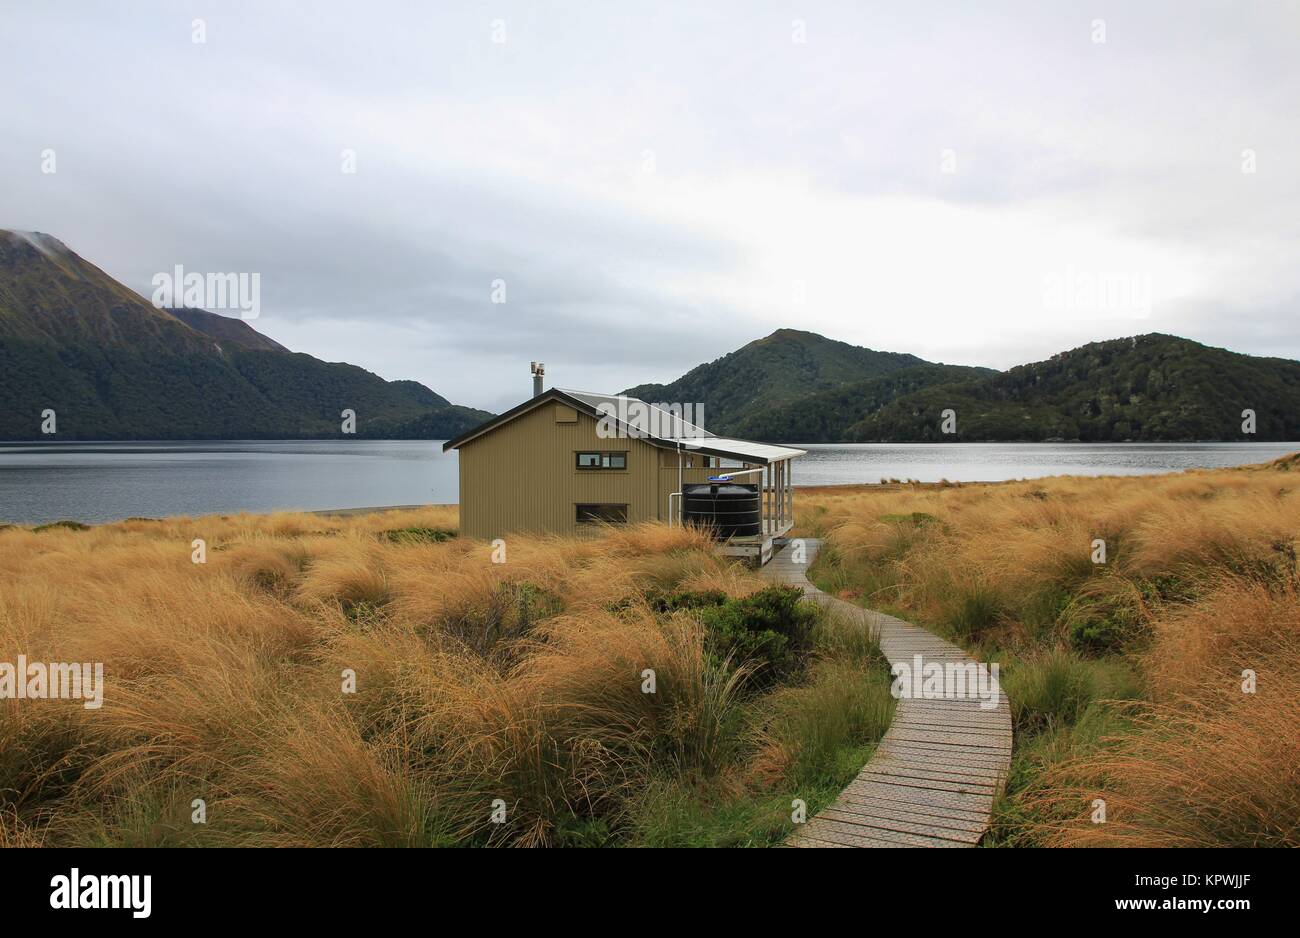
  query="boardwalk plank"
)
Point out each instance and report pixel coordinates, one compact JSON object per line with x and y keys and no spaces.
{"x":822,"y":827}
{"x":964,"y":801}
{"x":933,"y":778}
{"x":855,"y":814}
{"x":890,"y":811}
{"x":892,"y":762}
{"x":944,"y":757}
{"x":947,"y":814}
{"x":968,"y":787}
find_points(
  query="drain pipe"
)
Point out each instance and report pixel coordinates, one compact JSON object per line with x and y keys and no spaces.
{"x":678,"y":494}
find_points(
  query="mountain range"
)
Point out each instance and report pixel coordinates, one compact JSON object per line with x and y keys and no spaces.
{"x":799,"y":387}
{"x":113,"y":366}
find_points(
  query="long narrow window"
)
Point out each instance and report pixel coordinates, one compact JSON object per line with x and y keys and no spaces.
{"x":615,"y":460}
{"x":615,"y":514}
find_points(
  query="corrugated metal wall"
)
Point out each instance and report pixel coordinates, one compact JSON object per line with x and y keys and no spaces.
{"x":522,"y":476}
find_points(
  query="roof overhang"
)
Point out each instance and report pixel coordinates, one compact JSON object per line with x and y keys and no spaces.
{"x":743,"y":450}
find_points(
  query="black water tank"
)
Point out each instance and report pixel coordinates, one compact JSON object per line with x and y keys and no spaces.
{"x":728,"y":509}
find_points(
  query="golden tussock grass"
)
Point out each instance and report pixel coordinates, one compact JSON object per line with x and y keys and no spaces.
{"x":1126,"y":677}
{"x":476,"y":683}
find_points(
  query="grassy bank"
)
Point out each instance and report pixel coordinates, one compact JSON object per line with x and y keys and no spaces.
{"x":480,"y":687}
{"x":1129,"y":673}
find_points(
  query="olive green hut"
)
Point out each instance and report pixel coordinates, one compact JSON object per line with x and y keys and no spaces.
{"x":566,"y":461}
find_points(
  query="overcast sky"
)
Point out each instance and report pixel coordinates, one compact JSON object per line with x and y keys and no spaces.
{"x":657,"y":185}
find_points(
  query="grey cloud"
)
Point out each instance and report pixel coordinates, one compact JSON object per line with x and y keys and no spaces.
{"x":479,"y":161}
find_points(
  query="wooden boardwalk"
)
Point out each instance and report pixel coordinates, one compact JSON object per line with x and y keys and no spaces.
{"x":932,"y":781}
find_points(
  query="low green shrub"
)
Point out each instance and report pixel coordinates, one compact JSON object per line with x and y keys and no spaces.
{"x":54,"y":525}
{"x":1103,"y":623}
{"x":419,"y":535}
{"x":1098,"y":635}
{"x":665,"y":601}
{"x":770,"y":627}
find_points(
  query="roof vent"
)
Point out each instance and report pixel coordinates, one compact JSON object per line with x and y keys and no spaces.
{"x":539,"y":371}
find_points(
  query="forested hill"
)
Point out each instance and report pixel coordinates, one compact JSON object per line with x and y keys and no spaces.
{"x":1149,"y":388}
{"x":798,"y":387}
{"x":771,"y":372}
{"x":112,"y":366}
{"x":824,"y":417}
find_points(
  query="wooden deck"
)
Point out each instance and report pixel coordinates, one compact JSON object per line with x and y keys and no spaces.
{"x":755,"y":549}
{"x":933,"y":779}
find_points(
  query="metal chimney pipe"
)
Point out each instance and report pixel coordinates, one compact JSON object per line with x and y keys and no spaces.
{"x":539,"y":370}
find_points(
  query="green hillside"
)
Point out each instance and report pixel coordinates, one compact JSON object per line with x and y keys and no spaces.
{"x":226,"y":329}
{"x":826,"y":416}
{"x":787,"y":365}
{"x":112,"y":366}
{"x":1149,"y":388}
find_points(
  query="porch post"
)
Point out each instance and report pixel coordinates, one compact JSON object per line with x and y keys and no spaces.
{"x":789,"y":485}
{"x":767,"y":496}
{"x":780,"y":493}
{"x":776,"y":485}
{"x":776,"y":481}
{"x":776,"y":496}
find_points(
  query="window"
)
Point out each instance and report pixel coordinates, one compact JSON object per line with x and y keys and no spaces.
{"x":616,"y":460}
{"x":610,"y":514}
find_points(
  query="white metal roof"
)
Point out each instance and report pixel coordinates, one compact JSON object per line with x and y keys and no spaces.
{"x":662,"y":424}
{"x":746,"y":450}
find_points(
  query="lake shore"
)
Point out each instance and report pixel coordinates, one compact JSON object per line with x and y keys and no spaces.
{"x":95,"y":483}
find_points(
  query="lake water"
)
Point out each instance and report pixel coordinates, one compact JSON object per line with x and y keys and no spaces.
{"x":108,"y":481}
{"x":837,"y":464}
{"x":41,"y":482}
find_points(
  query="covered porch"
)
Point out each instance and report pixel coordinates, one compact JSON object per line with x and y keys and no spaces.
{"x":769,"y":467}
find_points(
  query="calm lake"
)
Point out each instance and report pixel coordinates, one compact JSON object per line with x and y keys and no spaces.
{"x":41,"y":482}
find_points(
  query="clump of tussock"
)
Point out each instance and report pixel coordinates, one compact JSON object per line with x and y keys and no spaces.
{"x":469,"y":683}
{"x":1056,"y":686}
{"x":267,"y":564}
{"x":348,"y":572}
{"x":804,"y":736}
{"x":1198,"y":773}
{"x":1124,"y":666}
